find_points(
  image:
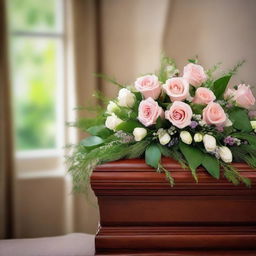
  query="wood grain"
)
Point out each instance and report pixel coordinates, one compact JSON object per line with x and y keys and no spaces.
{"x":141,"y":214}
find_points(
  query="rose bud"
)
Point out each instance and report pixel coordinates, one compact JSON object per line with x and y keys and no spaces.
{"x":209,"y":143}
{"x":111,"y":107}
{"x":225,"y":154}
{"x":186,"y":137}
{"x":126,"y":98}
{"x":112,"y":122}
{"x":164,"y":138}
{"x":139,"y":133}
{"x":198,"y":137}
{"x":253,"y":124}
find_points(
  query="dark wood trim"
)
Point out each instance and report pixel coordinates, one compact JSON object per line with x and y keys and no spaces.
{"x":142,"y":215}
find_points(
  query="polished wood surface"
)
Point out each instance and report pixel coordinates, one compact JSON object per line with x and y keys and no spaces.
{"x":142,"y":215}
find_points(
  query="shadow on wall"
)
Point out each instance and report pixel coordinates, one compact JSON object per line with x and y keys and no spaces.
{"x":217,"y":31}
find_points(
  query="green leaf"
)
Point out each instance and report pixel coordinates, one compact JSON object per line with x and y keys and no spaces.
{"x":220,"y":85}
{"x":192,"y":61}
{"x":197,"y":108}
{"x":128,"y":126}
{"x":192,"y":91}
{"x":92,"y":141}
{"x":240,"y":120}
{"x":99,"y":130}
{"x":211,"y":164}
{"x":153,"y":155}
{"x":193,"y":156}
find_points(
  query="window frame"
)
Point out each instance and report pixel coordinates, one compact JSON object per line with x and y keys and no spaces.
{"x":30,"y":161}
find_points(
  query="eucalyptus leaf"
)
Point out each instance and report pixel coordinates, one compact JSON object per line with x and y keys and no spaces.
{"x":92,"y":141}
{"x":153,"y":155}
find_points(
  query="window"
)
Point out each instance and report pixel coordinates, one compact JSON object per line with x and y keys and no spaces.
{"x":36,"y":58}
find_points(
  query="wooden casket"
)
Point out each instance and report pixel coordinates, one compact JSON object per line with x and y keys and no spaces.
{"x":141,"y":214}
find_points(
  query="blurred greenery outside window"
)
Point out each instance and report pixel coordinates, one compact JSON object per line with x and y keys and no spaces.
{"x":36,"y":38}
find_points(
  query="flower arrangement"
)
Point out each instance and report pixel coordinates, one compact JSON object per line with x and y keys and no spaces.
{"x":191,"y":117}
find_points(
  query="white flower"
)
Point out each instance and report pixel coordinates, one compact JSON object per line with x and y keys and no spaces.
{"x":186,"y":137}
{"x":111,"y":107}
{"x":139,"y":133}
{"x":228,"y":122}
{"x":209,"y":143}
{"x":126,"y":98}
{"x":198,"y":137}
{"x":253,"y":124}
{"x":202,"y":123}
{"x":112,"y":122}
{"x":164,"y":138}
{"x":225,"y":154}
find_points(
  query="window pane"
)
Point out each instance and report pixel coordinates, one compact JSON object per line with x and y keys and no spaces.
{"x":31,"y":15}
{"x":34,"y":69}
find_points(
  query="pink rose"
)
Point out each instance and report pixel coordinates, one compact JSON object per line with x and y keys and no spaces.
{"x":203,"y":96}
{"x":194,"y":74}
{"x":149,"y":111}
{"x":177,"y":88}
{"x":149,"y":86}
{"x":179,"y":114}
{"x":244,"y":97}
{"x":214,"y":114}
{"x":229,"y":94}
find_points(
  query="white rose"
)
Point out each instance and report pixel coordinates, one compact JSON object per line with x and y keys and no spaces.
{"x":253,"y":124}
{"x":198,"y":137}
{"x":111,"y":107}
{"x":209,"y":143}
{"x":186,"y":137}
{"x":126,"y":98}
{"x":139,"y":133}
{"x":164,"y":138}
{"x":228,"y":123}
{"x":112,"y":122}
{"x":225,"y":154}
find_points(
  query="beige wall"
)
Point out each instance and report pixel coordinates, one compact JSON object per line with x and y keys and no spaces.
{"x":217,"y":30}
{"x":132,"y":33}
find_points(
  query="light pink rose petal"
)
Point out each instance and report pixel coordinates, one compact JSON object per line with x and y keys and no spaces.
{"x":177,"y":88}
{"x":148,"y":86}
{"x":244,"y":97}
{"x":194,"y":74}
{"x":179,"y":114}
{"x":149,"y":111}
{"x":214,"y":114}
{"x":203,"y":96}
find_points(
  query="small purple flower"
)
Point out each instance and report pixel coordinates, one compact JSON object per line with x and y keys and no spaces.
{"x":220,"y":128}
{"x":193,"y":124}
{"x":229,"y":141}
{"x":229,"y":105}
{"x":173,"y":142}
{"x":252,"y":114}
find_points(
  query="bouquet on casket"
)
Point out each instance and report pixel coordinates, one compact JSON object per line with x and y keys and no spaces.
{"x":190,"y":117}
